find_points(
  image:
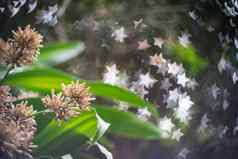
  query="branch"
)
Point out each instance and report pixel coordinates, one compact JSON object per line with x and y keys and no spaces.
{"x":63,"y":8}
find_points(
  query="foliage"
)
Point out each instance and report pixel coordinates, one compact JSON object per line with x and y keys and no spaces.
{"x":88,"y":126}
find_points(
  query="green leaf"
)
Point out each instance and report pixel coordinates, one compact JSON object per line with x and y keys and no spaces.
{"x":117,"y":93}
{"x":188,"y":56}
{"x":128,"y":124}
{"x":57,"y":139}
{"x":42,"y":80}
{"x":73,"y":133}
{"x":39,"y":79}
{"x":102,"y":128}
{"x":56,"y":53}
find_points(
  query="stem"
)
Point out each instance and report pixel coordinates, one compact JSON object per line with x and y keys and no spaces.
{"x":6,"y":74}
{"x":38,"y":113}
{"x":42,"y":112}
{"x":63,"y":8}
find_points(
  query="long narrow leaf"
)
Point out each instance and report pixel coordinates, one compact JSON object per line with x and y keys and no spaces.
{"x":43,"y":80}
{"x":128,"y":124}
{"x":58,"y":138}
{"x":56,"y":53}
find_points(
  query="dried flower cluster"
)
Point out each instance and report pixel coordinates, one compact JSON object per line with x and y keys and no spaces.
{"x":17,"y":123}
{"x":73,"y":99}
{"x":17,"y":126}
{"x":22,"y":49}
{"x":5,"y":95}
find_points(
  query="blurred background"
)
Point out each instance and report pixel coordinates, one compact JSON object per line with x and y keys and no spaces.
{"x":92,"y":22}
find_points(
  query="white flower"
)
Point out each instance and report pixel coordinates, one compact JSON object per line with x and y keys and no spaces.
{"x":230,"y":8}
{"x":15,"y":6}
{"x":146,"y":80}
{"x":144,"y":113}
{"x":13,"y":10}
{"x":182,"y":112}
{"x":159,"y":62}
{"x":173,"y":98}
{"x":158,"y":42}
{"x":163,"y":68}
{"x":236,"y":43}
{"x":177,"y":134}
{"x":182,"y":79}
{"x":139,"y":89}
{"x":137,"y":23}
{"x":222,"y":65}
{"x":2,"y":9}
{"x":120,"y":34}
{"x":111,"y":75}
{"x":166,"y":126}
{"x":185,"y":101}
{"x":184,"y":39}
{"x":165,"y":84}
{"x":235,"y":77}
{"x":225,"y":104}
{"x":143,"y":45}
{"x":215,"y":91}
{"x":235,"y":129}
{"x":204,"y":123}
{"x":48,"y":16}
{"x":174,"y":68}
{"x":156,"y":60}
{"x":223,"y":132}
{"x":183,"y":153}
{"x":114,"y":77}
{"x":32,"y":6}
{"x":193,"y":15}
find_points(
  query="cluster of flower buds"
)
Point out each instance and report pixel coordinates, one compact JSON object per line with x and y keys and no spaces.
{"x":22,"y":48}
{"x":74,"y":99}
{"x":17,"y":125}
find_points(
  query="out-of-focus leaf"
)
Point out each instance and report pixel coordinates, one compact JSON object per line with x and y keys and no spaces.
{"x":128,"y":124}
{"x":42,"y":80}
{"x":188,"y":56}
{"x":56,"y":53}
